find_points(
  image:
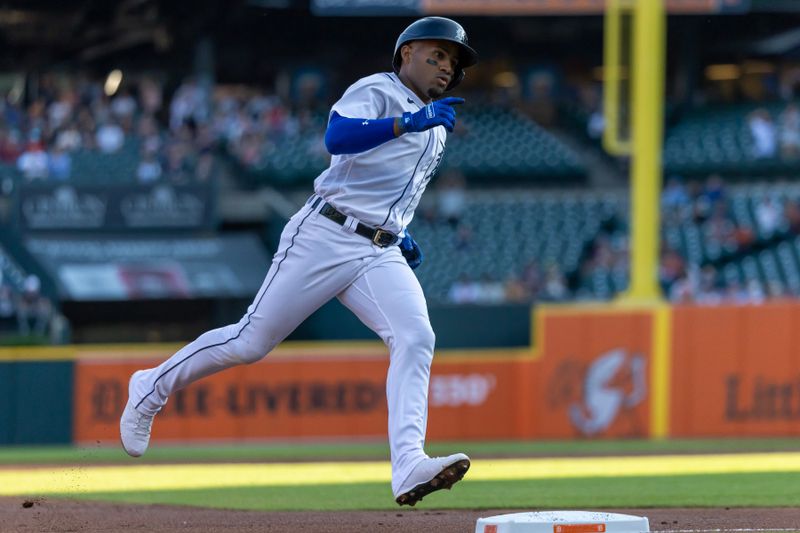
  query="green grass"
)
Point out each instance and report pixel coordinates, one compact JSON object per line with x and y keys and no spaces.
{"x":763,"y":489}
{"x":380,"y":450}
{"x":729,"y":490}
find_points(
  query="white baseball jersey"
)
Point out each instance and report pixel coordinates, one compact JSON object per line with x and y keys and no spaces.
{"x":319,"y":259}
{"x":382,"y":187}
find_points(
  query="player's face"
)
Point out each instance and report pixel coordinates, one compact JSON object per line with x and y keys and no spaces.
{"x":430,"y":66}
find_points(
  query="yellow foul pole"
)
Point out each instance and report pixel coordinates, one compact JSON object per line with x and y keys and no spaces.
{"x":643,"y":36}
{"x":647,"y":141}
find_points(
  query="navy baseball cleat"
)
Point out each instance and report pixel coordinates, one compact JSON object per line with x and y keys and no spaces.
{"x":432,"y":474}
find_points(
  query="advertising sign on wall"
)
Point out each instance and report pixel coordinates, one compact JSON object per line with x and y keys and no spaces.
{"x":588,"y":378}
{"x":53,"y":207}
{"x":736,"y":371}
{"x":102,"y":267}
{"x":288,"y":395}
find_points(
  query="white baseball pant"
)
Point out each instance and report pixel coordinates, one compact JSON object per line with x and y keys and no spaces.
{"x":317,"y":259}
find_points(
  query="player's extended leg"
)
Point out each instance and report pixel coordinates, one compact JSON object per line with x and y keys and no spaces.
{"x":305,"y":273}
{"x":388,"y":298}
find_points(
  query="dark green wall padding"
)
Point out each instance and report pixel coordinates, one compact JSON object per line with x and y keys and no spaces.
{"x":36,"y":402}
{"x":456,"y":326}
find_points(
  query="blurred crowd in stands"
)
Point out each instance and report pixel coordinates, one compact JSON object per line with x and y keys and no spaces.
{"x":704,"y":206}
{"x":251,"y":122}
{"x":26,"y":312}
{"x":72,"y":115}
{"x":707,"y":206}
{"x":178,"y":136}
{"x":534,"y":284}
{"x":175,"y":137}
{"x":775,"y":138}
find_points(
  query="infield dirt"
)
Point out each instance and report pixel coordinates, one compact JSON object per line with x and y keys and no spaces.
{"x":68,"y":516}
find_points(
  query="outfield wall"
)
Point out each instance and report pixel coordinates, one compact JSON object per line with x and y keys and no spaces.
{"x":595,"y":372}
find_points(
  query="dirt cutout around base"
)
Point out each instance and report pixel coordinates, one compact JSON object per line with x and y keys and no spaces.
{"x":43,"y":514}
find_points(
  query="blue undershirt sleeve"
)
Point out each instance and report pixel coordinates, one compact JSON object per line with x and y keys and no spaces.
{"x":353,"y":135}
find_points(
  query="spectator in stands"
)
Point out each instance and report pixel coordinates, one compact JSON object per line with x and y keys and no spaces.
{"x":60,"y":163}
{"x":707,"y":197}
{"x":464,"y":238}
{"x":490,"y":290}
{"x":736,"y":294}
{"x":708,"y":290}
{"x":178,"y":166}
{"x":123,"y":105}
{"x":33,"y":309}
{"x":776,"y":289}
{"x":681,"y":291}
{"x":755,"y":293}
{"x":672,"y":269}
{"x":791,"y":213}
{"x":675,"y":199}
{"x":596,"y":123}
{"x":463,"y":291}
{"x":768,"y":216}
{"x":700,"y":209}
{"x":719,"y":228}
{"x":790,"y":132}
{"x":36,"y":117}
{"x":86,"y":126}
{"x":714,"y":190}
{"x":69,"y":137}
{"x":188,"y":102}
{"x":150,"y":96}
{"x":744,"y":237}
{"x":12,"y":115}
{"x":249,"y":150}
{"x":451,"y":197}
{"x":764,"y":135}
{"x":59,"y":111}
{"x":33,"y":162}
{"x":554,"y":288}
{"x":206,"y":164}
{"x":539,"y":101}
{"x":10,"y":145}
{"x":6,"y":300}
{"x":309,"y":92}
{"x":149,"y":169}
{"x":148,"y":133}
{"x":515,"y":290}
{"x":110,"y":137}
{"x":532,"y":278}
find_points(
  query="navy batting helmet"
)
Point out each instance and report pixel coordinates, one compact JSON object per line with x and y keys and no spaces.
{"x":442,"y":29}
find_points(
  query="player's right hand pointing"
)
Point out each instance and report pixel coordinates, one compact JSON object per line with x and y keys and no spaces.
{"x":439,"y":113}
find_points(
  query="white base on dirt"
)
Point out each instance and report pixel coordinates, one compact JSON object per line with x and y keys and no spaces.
{"x":563,"y":522}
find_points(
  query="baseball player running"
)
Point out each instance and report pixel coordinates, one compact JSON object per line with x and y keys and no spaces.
{"x":350,"y":241}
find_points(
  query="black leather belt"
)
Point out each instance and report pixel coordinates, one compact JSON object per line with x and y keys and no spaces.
{"x":379,"y":237}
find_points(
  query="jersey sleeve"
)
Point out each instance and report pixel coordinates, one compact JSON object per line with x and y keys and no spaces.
{"x":367,"y":98}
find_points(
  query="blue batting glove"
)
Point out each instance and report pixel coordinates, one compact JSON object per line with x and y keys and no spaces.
{"x":411,"y":251}
{"x":439,"y":113}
